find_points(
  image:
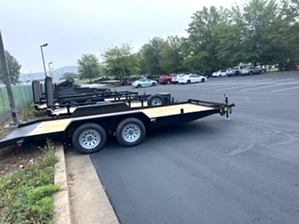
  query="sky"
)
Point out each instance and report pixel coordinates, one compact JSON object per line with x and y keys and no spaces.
{"x":75,"y":27}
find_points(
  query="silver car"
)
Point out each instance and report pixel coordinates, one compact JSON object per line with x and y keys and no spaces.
{"x":250,"y":70}
{"x":144,"y":83}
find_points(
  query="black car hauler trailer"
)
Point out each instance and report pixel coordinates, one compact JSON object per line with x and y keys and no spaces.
{"x":88,"y":126}
{"x":65,"y":104}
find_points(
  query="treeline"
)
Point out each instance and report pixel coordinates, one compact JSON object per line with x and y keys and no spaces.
{"x":260,"y":32}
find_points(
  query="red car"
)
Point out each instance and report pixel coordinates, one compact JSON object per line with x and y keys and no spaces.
{"x":297,"y":67}
{"x":165,"y":79}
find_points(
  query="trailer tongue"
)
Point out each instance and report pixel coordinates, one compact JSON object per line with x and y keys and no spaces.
{"x":88,"y":126}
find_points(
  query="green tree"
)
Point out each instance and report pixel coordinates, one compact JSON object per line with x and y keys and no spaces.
{"x":150,"y":53}
{"x":171,"y":55}
{"x":287,"y":35}
{"x":120,"y":61}
{"x":89,"y":67}
{"x":142,"y":64}
{"x":200,"y":47}
{"x":258,"y":27}
{"x":71,"y":75}
{"x":229,"y":37}
{"x":13,"y":67}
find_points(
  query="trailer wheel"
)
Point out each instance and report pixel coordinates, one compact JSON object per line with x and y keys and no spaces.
{"x":89,"y":138}
{"x":155,"y":100}
{"x":130,"y":132}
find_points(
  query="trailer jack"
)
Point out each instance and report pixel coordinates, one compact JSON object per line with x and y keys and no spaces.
{"x":228,"y":109}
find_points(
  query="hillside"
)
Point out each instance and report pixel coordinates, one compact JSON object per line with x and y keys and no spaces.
{"x":56,"y":74}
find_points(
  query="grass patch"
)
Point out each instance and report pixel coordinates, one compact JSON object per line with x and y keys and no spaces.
{"x":26,"y":194}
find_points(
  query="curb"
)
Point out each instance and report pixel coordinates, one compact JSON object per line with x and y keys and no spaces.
{"x":62,"y":213}
{"x":89,"y":201}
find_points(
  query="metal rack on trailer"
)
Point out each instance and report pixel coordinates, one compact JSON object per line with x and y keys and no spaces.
{"x":63,"y":93}
{"x":65,"y":104}
{"x":88,"y":126}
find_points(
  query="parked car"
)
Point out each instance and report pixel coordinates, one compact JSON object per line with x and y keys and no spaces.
{"x":219,"y":73}
{"x":235,"y":71}
{"x":251,"y":70}
{"x":165,"y":79}
{"x":207,"y":73}
{"x":297,"y":67}
{"x":144,"y":83}
{"x":229,"y":71}
{"x":191,"y":78}
{"x":174,"y":78}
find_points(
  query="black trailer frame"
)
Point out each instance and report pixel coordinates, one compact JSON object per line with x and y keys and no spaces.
{"x":65,"y":104}
{"x":88,"y":126}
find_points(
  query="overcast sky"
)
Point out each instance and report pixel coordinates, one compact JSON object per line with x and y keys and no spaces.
{"x":74,"y":27}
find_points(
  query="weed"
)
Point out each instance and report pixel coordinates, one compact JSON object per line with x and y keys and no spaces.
{"x":26,"y":194}
{"x":28,"y":112}
{"x":49,"y":150}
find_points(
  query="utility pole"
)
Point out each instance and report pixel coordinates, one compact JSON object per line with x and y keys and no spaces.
{"x":8,"y":84}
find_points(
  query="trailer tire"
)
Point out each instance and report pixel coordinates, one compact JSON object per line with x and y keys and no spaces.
{"x":89,"y":138}
{"x":130,"y":132}
{"x":155,"y":100}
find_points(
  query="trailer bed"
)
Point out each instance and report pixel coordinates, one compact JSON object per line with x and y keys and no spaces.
{"x":156,"y":115}
{"x":174,"y":110}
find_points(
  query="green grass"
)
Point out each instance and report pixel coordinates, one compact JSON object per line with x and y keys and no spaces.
{"x":26,"y":194}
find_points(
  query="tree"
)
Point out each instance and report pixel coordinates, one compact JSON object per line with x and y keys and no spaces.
{"x":150,"y":53}
{"x":13,"y":67}
{"x":120,"y":61}
{"x":89,"y":67}
{"x":259,"y":18}
{"x":70,"y":75}
{"x":288,"y":35}
{"x":171,"y":56}
{"x":200,"y":47}
{"x":229,"y":37}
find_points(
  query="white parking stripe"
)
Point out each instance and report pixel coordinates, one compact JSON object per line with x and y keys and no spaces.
{"x":280,"y":90}
{"x":242,"y":85}
{"x":270,"y":86}
{"x":227,"y":85}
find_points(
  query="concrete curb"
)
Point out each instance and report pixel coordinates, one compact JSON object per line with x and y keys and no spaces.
{"x":62,"y":213}
{"x":89,"y":202}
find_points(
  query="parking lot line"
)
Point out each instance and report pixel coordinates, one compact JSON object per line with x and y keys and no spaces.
{"x":280,"y":90}
{"x":242,"y":85}
{"x":270,"y":86}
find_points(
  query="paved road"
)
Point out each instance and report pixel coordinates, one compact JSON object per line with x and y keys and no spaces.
{"x":212,"y":170}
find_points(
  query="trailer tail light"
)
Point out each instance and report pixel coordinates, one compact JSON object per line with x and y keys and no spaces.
{"x":20,"y":143}
{"x":222,"y":111}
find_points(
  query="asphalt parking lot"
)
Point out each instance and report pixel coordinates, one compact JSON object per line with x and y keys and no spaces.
{"x":212,"y":170}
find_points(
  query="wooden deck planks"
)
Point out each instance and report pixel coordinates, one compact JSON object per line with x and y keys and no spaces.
{"x":46,"y":127}
{"x":173,"y":110}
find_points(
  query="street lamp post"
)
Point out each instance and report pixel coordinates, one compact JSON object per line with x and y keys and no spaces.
{"x":41,"y":48}
{"x":50,"y":68}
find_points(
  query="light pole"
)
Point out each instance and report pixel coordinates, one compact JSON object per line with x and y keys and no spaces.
{"x":41,"y":48}
{"x":50,"y":68}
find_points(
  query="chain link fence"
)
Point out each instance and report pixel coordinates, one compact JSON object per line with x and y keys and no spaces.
{"x":22,"y":95}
